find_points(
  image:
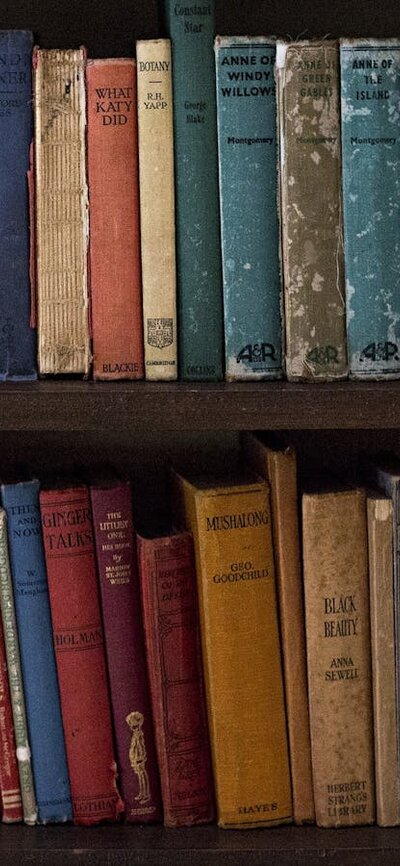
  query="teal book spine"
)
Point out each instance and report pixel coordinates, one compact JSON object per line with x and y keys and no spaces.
{"x":38,"y":665}
{"x":198,"y":245}
{"x":15,"y":679}
{"x":370,"y":85}
{"x":247,"y":148}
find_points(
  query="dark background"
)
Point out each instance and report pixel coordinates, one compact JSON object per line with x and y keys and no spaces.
{"x":110,"y":27}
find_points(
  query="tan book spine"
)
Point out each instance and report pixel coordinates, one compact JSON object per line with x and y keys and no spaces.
{"x":380,"y":545}
{"x":339,"y":656}
{"x":280,"y":469}
{"x":311,"y":209}
{"x":241,"y":652}
{"x":157,"y":207}
{"x":61,"y":211}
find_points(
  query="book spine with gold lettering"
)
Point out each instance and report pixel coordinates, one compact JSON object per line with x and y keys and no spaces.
{"x":279,"y":467}
{"x":61,"y":199}
{"x":381,"y":564}
{"x":311,"y":209}
{"x":79,"y":647}
{"x":125,"y":651}
{"x":231,"y":527}
{"x":115,"y":273}
{"x":157,"y":207}
{"x":339,"y":656}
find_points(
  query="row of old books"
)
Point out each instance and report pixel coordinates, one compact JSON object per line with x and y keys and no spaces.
{"x":180,"y":675}
{"x":167,"y":236}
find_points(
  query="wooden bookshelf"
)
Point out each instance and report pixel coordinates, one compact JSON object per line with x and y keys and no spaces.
{"x":93,"y":419}
{"x":201,"y":846}
{"x":84,"y":406}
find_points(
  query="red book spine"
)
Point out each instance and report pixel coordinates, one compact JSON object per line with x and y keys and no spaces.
{"x":79,"y":648}
{"x":174,"y":663}
{"x":10,"y":791}
{"x":123,"y":632}
{"x":114,"y":249}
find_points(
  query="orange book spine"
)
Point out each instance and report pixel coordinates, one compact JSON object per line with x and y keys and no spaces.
{"x":114,"y":250}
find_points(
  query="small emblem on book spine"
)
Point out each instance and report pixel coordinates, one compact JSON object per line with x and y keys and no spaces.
{"x":138,"y":755}
{"x":160,"y":332}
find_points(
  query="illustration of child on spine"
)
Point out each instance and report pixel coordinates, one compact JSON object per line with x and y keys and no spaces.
{"x":138,"y":755}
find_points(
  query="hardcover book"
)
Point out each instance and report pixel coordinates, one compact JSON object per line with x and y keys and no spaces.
{"x":370,"y":75}
{"x":61,"y":199}
{"x":17,"y":337}
{"x":278,"y":466}
{"x":10,"y":789}
{"x":339,"y":656}
{"x":192,"y":31}
{"x":115,"y":273}
{"x":231,"y":525}
{"x":157,"y":207}
{"x":311,"y":209}
{"x":125,"y":653}
{"x":79,"y":648}
{"x":380,"y":546}
{"x":23,"y":752}
{"x":246,"y":112}
{"x":35,"y":635}
{"x":170,"y":613}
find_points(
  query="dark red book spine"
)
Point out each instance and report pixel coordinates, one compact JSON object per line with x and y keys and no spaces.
{"x":126,"y":660}
{"x":10,"y":791}
{"x":79,"y":648}
{"x":174,"y":663}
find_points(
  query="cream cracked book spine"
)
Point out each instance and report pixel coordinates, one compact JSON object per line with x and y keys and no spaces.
{"x":62,"y":222}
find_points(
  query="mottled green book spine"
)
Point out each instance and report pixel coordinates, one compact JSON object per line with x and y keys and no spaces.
{"x":191,"y":30}
{"x":15,"y":679}
{"x":311,"y":209}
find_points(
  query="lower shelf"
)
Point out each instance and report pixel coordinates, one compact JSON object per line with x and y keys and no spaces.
{"x":203,"y":846}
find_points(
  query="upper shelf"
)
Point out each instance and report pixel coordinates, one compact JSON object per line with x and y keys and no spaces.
{"x":77,"y":405}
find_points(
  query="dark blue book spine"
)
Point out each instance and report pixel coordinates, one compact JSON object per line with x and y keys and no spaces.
{"x":31,"y":597}
{"x":17,"y":338}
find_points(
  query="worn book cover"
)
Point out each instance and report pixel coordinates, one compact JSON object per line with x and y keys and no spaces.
{"x":10,"y":788}
{"x":79,"y":647}
{"x":311,"y":209}
{"x":125,"y":653}
{"x":336,"y":590}
{"x":61,"y":199}
{"x":17,"y":337}
{"x":192,"y":30}
{"x":278,"y":465}
{"x":170,"y":613}
{"x":381,"y":562}
{"x":115,"y":273}
{"x":370,"y":76}
{"x":35,"y":635}
{"x":231,"y":525}
{"x":247,"y":147}
{"x":157,"y":207}
{"x":10,"y":632}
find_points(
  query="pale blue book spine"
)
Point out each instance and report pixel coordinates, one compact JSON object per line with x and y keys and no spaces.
{"x":247,"y":147}
{"x":191,"y":29}
{"x":32,"y":609}
{"x":370,"y":84}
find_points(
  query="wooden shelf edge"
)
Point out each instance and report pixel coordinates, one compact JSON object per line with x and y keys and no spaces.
{"x":76,"y":405}
{"x":206,"y":846}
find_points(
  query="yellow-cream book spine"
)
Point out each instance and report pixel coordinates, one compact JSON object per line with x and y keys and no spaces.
{"x":339,"y":656}
{"x":62,"y":221}
{"x":231,"y":526}
{"x":380,"y":547}
{"x":157,"y":207}
{"x":278,"y":466}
